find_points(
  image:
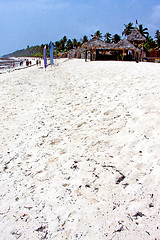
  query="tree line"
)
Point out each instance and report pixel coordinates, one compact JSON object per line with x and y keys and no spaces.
{"x":64,"y":44}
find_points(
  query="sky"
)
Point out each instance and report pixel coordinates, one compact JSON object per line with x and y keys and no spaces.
{"x":36,"y":22}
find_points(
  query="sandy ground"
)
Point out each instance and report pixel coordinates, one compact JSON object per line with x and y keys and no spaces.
{"x":80,"y":152}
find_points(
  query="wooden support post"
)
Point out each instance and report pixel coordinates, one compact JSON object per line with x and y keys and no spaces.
{"x":85,"y":55}
{"x":91,"y":55}
{"x":123,"y":55}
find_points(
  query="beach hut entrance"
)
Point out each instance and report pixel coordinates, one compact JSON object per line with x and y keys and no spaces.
{"x":125,"y":55}
{"x":104,"y":54}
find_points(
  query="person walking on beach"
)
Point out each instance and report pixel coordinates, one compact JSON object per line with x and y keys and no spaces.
{"x":27,"y":62}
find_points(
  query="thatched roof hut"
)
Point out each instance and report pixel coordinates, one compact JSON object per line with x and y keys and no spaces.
{"x":125,"y":45}
{"x":72,"y":53}
{"x":136,"y":37}
{"x":127,"y":49}
{"x":95,"y":43}
{"x":76,"y":53}
{"x":80,"y":52}
{"x":93,"y":46}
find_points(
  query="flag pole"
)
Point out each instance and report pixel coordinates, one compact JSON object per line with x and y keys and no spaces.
{"x":51,"y":53}
{"x":45,"y":57}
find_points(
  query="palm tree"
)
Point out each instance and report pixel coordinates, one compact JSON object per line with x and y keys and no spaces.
{"x":143,"y":31}
{"x":62,"y":44}
{"x":116,"y":38}
{"x":57,"y":45}
{"x":69,"y":44}
{"x":107,"y":37}
{"x":79,"y":44}
{"x":75,"y":43}
{"x":64,"y":39}
{"x":84,"y":39}
{"x":97,"y":34}
{"x":150,"y":43}
{"x":128,"y":29}
{"x":42,"y":46}
{"x":157,"y":36}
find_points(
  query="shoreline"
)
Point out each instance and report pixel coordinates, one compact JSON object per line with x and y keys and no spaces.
{"x":8,"y":64}
{"x":33,"y":59}
{"x":80,"y":151}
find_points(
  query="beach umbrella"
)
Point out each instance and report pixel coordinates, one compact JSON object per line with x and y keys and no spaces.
{"x":51,"y":53}
{"x":45,"y":57}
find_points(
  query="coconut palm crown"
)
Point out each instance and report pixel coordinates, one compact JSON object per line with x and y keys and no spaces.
{"x":128,"y":29}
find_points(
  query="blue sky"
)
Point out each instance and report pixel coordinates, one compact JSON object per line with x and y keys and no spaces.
{"x":33,"y":22}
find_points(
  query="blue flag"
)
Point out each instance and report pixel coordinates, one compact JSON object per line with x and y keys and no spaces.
{"x":45,"y":56}
{"x":51,"y":53}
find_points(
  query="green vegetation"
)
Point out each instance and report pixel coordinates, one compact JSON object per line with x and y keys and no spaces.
{"x":98,"y":34}
{"x":143,"y":31}
{"x":116,"y":38}
{"x":64,"y":44}
{"x":128,"y":29}
{"x":108,"y":37}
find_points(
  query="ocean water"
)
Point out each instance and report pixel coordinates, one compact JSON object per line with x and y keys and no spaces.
{"x":11,"y":64}
{"x":8,"y":64}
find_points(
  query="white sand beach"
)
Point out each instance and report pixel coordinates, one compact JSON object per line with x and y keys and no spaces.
{"x":80,"y":151}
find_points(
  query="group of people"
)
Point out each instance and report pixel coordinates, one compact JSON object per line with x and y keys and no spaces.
{"x":38,"y":62}
{"x":28,"y":62}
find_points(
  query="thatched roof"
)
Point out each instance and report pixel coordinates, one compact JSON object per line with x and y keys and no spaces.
{"x":126,"y":45}
{"x":97,"y":43}
{"x":136,"y":36}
